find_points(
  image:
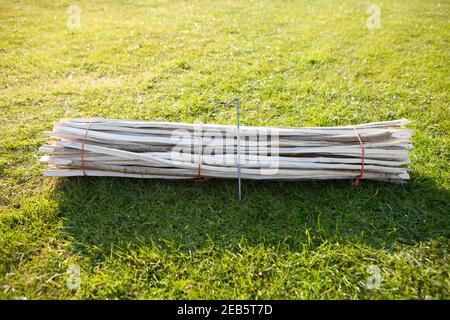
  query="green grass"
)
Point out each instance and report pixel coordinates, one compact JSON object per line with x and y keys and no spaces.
{"x":292,"y":63}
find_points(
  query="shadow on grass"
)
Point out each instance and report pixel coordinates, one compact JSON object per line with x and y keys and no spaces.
{"x":103,"y":212}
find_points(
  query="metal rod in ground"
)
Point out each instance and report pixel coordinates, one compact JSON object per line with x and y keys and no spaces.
{"x":238,"y":146}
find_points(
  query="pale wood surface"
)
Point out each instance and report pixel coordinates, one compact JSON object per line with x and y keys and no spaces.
{"x":144,"y":149}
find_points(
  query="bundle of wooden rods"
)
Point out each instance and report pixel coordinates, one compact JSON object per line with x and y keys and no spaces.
{"x":164,"y":150}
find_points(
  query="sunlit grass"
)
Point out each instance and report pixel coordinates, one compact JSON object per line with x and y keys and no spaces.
{"x":291,"y":63}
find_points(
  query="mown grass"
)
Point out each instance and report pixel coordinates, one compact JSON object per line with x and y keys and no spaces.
{"x":292,"y":63}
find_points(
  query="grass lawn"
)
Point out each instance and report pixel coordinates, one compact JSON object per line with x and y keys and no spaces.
{"x":291,"y":63}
